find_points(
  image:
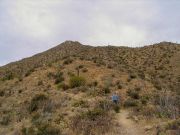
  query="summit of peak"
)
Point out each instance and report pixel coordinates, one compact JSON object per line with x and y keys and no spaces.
{"x":70,"y":42}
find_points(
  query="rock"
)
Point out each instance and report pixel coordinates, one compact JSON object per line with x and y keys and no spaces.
{"x":147,"y":128}
{"x":135,"y":118}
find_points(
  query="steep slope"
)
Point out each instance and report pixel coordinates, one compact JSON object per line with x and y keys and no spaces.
{"x":68,"y":88}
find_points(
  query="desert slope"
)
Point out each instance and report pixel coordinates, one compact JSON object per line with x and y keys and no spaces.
{"x":67,"y":90}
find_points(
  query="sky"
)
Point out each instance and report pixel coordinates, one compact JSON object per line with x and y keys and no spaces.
{"x":28,"y":27}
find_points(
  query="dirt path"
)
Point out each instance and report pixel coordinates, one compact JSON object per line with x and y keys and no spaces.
{"x":127,"y":126}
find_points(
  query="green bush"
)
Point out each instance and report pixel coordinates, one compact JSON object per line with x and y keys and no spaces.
{"x":77,"y":81}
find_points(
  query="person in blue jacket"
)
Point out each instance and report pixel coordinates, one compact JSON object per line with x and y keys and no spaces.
{"x":115,"y":98}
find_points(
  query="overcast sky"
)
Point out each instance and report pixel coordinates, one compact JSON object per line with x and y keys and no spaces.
{"x":31,"y":26}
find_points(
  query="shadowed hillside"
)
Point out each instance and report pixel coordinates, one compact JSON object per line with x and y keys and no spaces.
{"x":67,"y":90}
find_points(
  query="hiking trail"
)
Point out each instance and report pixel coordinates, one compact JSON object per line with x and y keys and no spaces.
{"x":127,"y":126}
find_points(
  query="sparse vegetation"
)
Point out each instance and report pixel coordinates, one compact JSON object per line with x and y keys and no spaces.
{"x":131,"y":103}
{"x":42,"y":129}
{"x":8,"y":76}
{"x":70,"y":88}
{"x":96,"y":121}
{"x":81,"y":103}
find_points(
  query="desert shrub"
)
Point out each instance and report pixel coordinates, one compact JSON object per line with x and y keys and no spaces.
{"x":5,"y":120}
{"x":42,"y":129}
{"x":104,"y":104}
{"x":167,"y":104}
{"x":29,"y":72}
{"x":81,"y":103}
{"x":48,"y":106}
{"x":80,"y":66}
{"x":48,"y":130}
{"x":119,"y":86}
{"x":106,"y":90}
{"x":36,"y":119}
{"x":107,"y":105}
{"x":85,"y":70}
{"x":67,"y":61}
{"x":81,"y":58}
{"x":2,"y":93}
{"x":62,"y":86}
{"x":77,"y":81}
{"x":141,"y":75}
{"x":129,"y":79}
{"x":157,"y":84}
{"x":96,"y":121}
{"x":70,"y":74}
{"x":173,"y":125}
{"x":109,"y":66}
{"x":40,"y":83}
{"x":50,"y":75}
{"x":149,"y":111}
{"x":36,"y":101}
{"x":144,"y":99}
{"x":116,"y":108}
{"x":59,"y":77}
{"x":93,"y":84}
{"x":131,"y":103}
{"x":132,"y":76}
{"x":8,"y":76}
{"x":20,"y":79}
{"x":137,"y":89}
{"x":133,"y":94}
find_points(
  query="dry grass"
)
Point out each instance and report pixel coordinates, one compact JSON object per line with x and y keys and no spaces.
{"x":138,"y":75}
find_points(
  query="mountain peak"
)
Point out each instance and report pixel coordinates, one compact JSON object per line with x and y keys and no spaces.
{"x":70,"y":42}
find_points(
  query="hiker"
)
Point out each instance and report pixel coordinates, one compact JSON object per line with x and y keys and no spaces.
{"x":115,"y":98}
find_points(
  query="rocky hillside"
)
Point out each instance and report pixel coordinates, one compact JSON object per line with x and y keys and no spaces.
{"x":67,"y":90}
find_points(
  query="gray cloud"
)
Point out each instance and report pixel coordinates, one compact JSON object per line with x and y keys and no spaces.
{"x":31,"y":26}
